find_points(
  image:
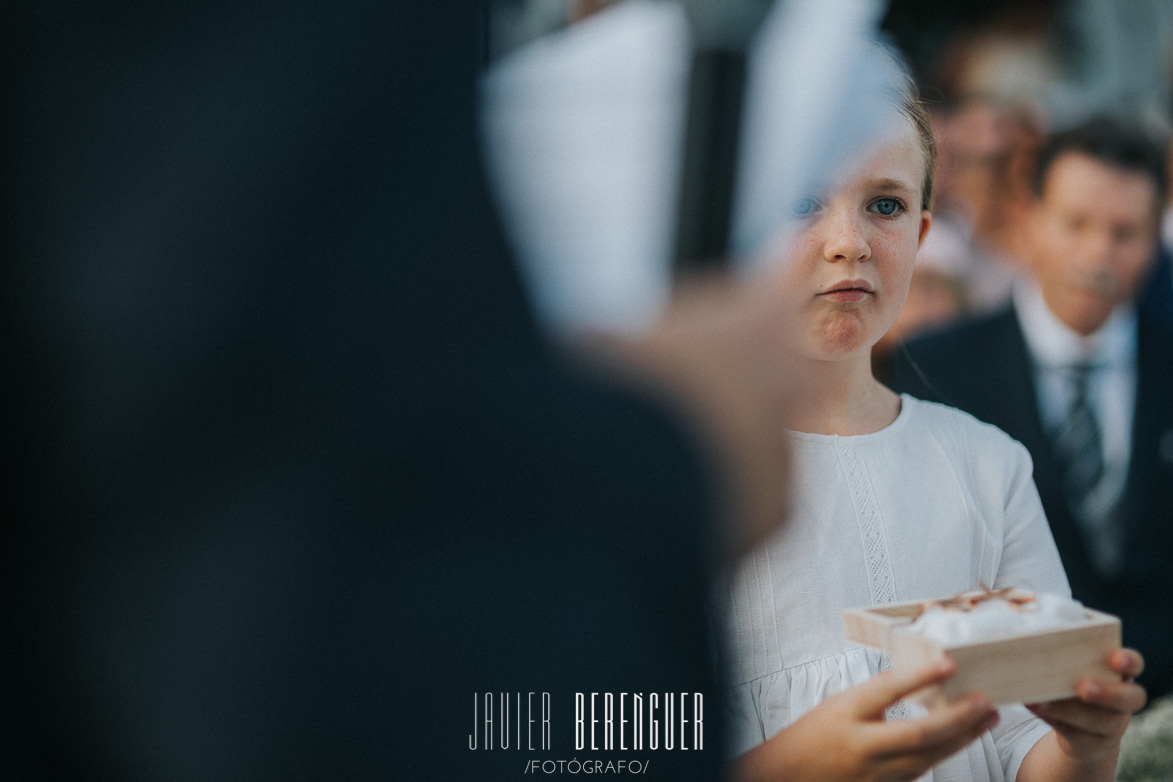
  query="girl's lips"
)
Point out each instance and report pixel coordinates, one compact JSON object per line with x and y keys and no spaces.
{"x":848,"y":290}
{"x":846,"y":294}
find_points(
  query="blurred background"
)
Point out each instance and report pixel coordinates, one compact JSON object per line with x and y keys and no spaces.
{"x":998,"y":76}
{"x":1066,"y":55}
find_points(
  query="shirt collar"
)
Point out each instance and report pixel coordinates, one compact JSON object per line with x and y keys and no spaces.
{"x":1053,"y":344}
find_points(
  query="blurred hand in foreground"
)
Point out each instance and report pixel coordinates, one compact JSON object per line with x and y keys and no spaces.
{"x":718,"y":355}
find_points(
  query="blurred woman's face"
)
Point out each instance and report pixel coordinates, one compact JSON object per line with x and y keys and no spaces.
{"x":849,"y":269}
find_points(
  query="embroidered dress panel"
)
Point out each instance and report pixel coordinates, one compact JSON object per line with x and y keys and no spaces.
{"x":875,"y":544}
{"x":871,"y":525}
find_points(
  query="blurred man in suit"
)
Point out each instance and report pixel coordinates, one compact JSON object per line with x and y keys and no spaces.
{"x":1083,"y":377}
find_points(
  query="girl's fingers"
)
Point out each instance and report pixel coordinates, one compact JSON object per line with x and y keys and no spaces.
{"x":1126,"y":662}
{"x":881,"y":691}
{"x":1105,"y":717}
{"x":1121,"y":697}
{"x":1070,"y":715}
{"x":944,"y":731}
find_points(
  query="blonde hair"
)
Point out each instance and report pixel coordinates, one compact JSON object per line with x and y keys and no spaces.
{"x":912,"y":107}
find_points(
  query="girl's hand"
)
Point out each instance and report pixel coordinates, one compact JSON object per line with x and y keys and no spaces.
{"x":846,"y":738}
{"x":1088,"y":727}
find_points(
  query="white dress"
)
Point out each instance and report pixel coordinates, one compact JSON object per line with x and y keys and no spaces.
{"x":929,"y":506}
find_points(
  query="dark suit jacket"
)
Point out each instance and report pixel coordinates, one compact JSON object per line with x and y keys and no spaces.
{"x":1156,"y":296}
{"x":982,"y":366}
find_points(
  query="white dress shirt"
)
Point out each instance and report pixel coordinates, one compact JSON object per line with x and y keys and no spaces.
{"x":1111,"y":350}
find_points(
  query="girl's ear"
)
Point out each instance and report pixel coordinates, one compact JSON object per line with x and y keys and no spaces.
{"x":926,"y":220}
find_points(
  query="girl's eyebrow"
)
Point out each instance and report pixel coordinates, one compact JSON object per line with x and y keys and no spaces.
{"x":884,"y":183}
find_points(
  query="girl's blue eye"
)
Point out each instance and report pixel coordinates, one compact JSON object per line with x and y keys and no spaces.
{"x":886,"y":206}
{"x":804,"y":206}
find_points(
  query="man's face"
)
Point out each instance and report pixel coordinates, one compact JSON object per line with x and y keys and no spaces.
{"x":1094,"y":234}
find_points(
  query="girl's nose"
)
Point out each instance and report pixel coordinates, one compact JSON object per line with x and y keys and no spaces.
{"x":845,"y":239}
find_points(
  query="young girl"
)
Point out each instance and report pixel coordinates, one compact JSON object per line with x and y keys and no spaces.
{"x":893,"y":499}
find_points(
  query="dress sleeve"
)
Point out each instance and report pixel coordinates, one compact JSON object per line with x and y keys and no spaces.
{"x":1029,"y":560}
{"x":1015,"y":734}
{"x":1029,"y":557}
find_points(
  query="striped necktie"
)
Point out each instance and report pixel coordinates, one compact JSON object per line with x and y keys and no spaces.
{"x":1077,"y":442}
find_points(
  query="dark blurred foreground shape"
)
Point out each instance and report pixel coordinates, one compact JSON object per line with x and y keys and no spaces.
{"x":291,"y":477}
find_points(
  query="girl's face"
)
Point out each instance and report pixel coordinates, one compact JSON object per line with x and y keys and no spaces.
{"x":849,"y":268}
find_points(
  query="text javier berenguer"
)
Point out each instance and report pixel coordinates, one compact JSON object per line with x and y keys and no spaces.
{"x":606,"y":721}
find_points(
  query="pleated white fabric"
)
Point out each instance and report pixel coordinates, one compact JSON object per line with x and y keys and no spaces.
{"x":935,"y":503}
